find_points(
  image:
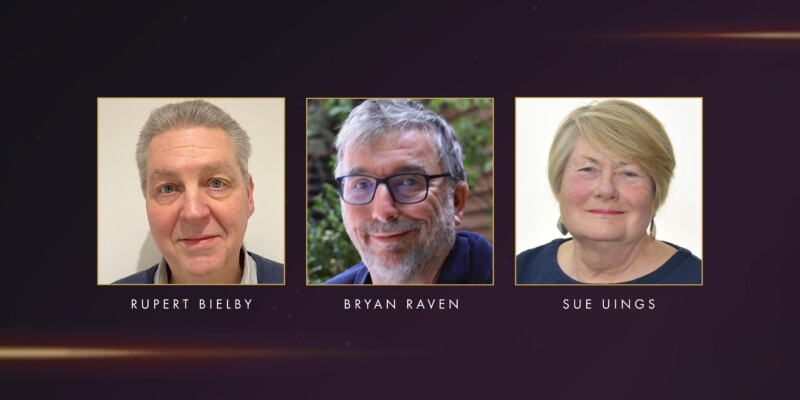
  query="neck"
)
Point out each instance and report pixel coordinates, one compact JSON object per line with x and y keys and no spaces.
{"x":606,"y":262}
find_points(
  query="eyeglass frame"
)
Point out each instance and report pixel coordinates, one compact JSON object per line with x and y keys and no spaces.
{"x":379,"y":181}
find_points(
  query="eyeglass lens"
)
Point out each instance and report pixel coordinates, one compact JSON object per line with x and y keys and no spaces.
{"x":407,"y":188}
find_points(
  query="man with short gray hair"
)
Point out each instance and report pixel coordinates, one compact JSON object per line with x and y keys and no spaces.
{"x":403,"y":191}
{"x":192,"y":158}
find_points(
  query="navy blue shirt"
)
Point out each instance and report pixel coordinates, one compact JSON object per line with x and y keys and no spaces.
{"x":540,"y":266}
{"x":469,"y":262}
{"x":267,"y":272}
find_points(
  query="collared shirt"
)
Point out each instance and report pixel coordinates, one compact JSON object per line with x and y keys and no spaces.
{"x":249,"y":276}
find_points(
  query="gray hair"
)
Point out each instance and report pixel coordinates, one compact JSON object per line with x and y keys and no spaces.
{"x":371,"y":119}
{"x":191,"y":114}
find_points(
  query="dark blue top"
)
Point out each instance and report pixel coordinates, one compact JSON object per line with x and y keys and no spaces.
{"x":469,"y":262}
{"x":267,"y":272}
{"x":540,"y":266}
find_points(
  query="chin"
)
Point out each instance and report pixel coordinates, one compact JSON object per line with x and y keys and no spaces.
{"x":394,"y":274}
{"x":602,"y":239}
{"x":601,"y":236}
{"x":202,"y":266}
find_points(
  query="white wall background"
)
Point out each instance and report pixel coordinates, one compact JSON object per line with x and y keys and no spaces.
{"x":124,"y":244}
{"x":680,"y":219}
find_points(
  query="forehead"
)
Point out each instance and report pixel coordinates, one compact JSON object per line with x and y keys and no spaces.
{"x":197,"y":147}
{"x":582,"y":150}
{"x":392,"y":152}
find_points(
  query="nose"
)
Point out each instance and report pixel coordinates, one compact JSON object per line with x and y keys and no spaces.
{"x":383,"y":207}
{"x":606,"y":188}
{"x":195,"y":205}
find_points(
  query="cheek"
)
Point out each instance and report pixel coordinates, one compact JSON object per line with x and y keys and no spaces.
{"x":422,"y":212}
{"x":575,"y":191}
{"x":162,"y":220}
{"x":429,"y":210}
{"x":352,"y":216}
{"x":639,"y":197}
{"x":232,"y":216}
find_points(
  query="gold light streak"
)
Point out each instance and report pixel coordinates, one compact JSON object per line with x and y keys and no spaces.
{"x":73,"y":353}
{"x":759,"y":35}
{"x":34,"y":353}
{"x":754,"y":35}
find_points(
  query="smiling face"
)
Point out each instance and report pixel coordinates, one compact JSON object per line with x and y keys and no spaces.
{"x":198,"y":204}
{"x":402,"y":243}
{"x":603,"y":199}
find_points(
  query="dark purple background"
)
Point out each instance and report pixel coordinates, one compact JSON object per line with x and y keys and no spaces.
{"x":735,"y":337}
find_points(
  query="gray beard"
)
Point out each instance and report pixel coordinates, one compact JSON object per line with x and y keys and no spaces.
{"x":421,"y":259}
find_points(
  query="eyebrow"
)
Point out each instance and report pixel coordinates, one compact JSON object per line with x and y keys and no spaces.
{"x":218,"y":166}
{"x":590,"y":159}
{"x":206,"y":169}
{"x":403,"y":169}
{"x":593,"y":160}
{"x":162,"y":173}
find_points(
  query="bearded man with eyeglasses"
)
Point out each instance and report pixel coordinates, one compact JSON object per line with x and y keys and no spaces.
{"x":403,"y":191}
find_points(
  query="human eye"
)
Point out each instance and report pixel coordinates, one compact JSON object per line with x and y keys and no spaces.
{"x":630,"y":174}
{"x":359,"y":183}
{"x":217,"y":183}
{"x":166,"y":189}
{"x":407,"y":182}
{"x":588,"y":171}
{"x":410,"y":180}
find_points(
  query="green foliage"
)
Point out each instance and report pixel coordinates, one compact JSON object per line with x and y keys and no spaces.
{"x":329,"y":249}
{"x":472,"y":121}
{"x":324,"y":117}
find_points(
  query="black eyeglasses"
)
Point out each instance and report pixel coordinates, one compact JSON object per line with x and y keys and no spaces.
{"x":357,"y":189}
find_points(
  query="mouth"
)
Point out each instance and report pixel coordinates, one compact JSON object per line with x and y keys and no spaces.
{"x":388,"y":237}
{"x":198,"y":241}
{"x":606,"y":212}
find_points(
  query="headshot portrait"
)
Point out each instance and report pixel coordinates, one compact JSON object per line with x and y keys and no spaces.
{"x":609,"y":191}
{"x":190,"y":191}
{"x":400,"y":191}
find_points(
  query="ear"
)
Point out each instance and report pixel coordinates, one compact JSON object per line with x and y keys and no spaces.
{"x":460,"y":201}
{"x":251,"y":205}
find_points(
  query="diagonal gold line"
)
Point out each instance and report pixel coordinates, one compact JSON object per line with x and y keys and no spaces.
{"x":759,"y":35}
{"x":34,"y":353}
{"x":67,"y":353}
{"x":765,"y":35}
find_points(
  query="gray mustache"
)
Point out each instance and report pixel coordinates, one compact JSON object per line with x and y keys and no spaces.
{"x":398,"y":225}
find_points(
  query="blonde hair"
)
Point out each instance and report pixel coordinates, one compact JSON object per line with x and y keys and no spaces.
{"x":621,"y":129}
